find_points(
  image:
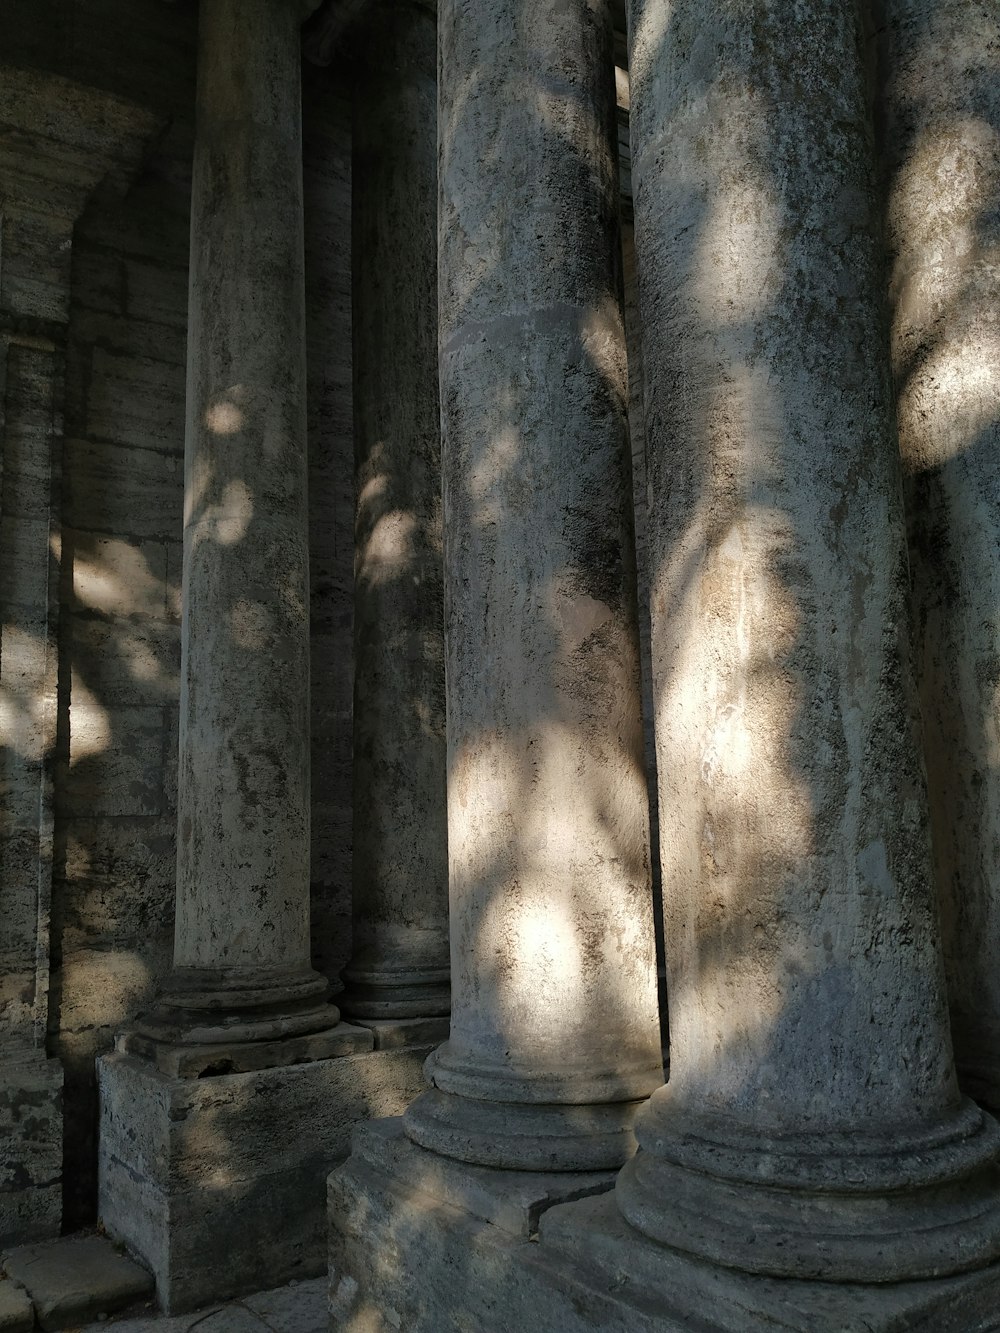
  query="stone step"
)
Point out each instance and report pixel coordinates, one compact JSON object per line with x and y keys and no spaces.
{"x":17,"y":1315}
{"x":71,"y":1281}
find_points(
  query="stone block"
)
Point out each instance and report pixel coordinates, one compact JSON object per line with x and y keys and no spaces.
{"x":31,"y":1148}
{"x":136,"y":401}
{"x":76,"y":1278}
{"x":119,"y":489}
{"x":17,"y":1314}
{"x":217,"y":1181}
{"x":389,"y":1034}
{"x":395,"y":1213}
{"x":115,"y":760}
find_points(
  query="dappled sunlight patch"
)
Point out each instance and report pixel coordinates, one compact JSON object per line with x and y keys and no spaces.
{"x":225,"y":416}
{"x":24,"y":705}
{"x":115,"y":578}
{"x":389,"y":549}
{"x":90,"y":731}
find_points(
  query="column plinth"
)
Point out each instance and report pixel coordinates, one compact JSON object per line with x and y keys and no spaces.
{"x":554,"y":1030}
{"x":400,"y":966}
{"x":812,"y":1126}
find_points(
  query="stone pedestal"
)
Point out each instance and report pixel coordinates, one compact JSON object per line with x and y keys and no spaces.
{"x":400,"y":965}
{"x":941,"y":108}
{"x":554,"y":1033}
{"x":812,"y":1126}
{"x":217,"y":1183}
{"x":425,"y":1249}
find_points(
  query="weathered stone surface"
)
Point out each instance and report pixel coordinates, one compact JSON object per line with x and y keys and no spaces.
{"x":76,"y":1278}
{"x":390,"y":1034}
{"x":31,"y":1147}
{"x":298,"y":1307}
{"x":214,"y":1181}
{"x":17,"y":1314}
{"x":243,"y":796}
{"x":400,"y":964}
{"x":585,"y":1271}
{"x":812,"y":1126}
{"x":940,"y":98}
{"x":554,"y":1031}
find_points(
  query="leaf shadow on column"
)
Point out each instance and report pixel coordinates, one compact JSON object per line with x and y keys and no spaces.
{"x":937,"y":74}
{"x":784,"y":891}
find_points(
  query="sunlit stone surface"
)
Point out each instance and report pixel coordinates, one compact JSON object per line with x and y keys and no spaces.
{"x":554,"y":1028}
{"x":399,"y":968}
{"x":940,"y":85}
{"x":811,"y":1126}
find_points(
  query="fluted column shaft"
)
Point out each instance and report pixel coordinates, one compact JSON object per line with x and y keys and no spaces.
{"x":399,"y":968}
{"x":812,"y":1124}
{"x":242,"y":944}
{"x":554,"y":1032}
{"x":941,"y":100}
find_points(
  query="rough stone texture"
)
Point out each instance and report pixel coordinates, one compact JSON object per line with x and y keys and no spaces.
{"x":940,"y":95}
{"x":214,"y":1182}
{"x":243,"y":782}
{"x":297,"y":1307}
{"x":399,"y":968}
{"x":583,"y":1268}
{"x":17,"y":1314}
{"x":31,"y":1147}
{"x":76,"y":1278}
{"x":554,"y":1027}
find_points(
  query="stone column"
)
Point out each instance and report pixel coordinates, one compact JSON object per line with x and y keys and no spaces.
{"x":399,"y":969}
{"x":554,"y":1033}
{"x":941,"y":99}
{"x":242,"y":980}
{"x":812,"y":1126}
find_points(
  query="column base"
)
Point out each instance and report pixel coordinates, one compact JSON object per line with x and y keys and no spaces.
{"x":213,"y":1181}
{"x":31,"y":1147}
{"x":912,"y":1202}
{"x":373,"y":992}
{"x":524,"y":1136}
{"x":208,"y":1022}
{"x":426,"y":1248}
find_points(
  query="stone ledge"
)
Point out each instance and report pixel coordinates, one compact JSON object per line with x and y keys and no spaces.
{"x":75,"y":1279}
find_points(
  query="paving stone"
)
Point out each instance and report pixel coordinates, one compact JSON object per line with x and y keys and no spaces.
{"x":16,"y":1312}
{"x":302,"y":1308}
{"x":76,"y":1278}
